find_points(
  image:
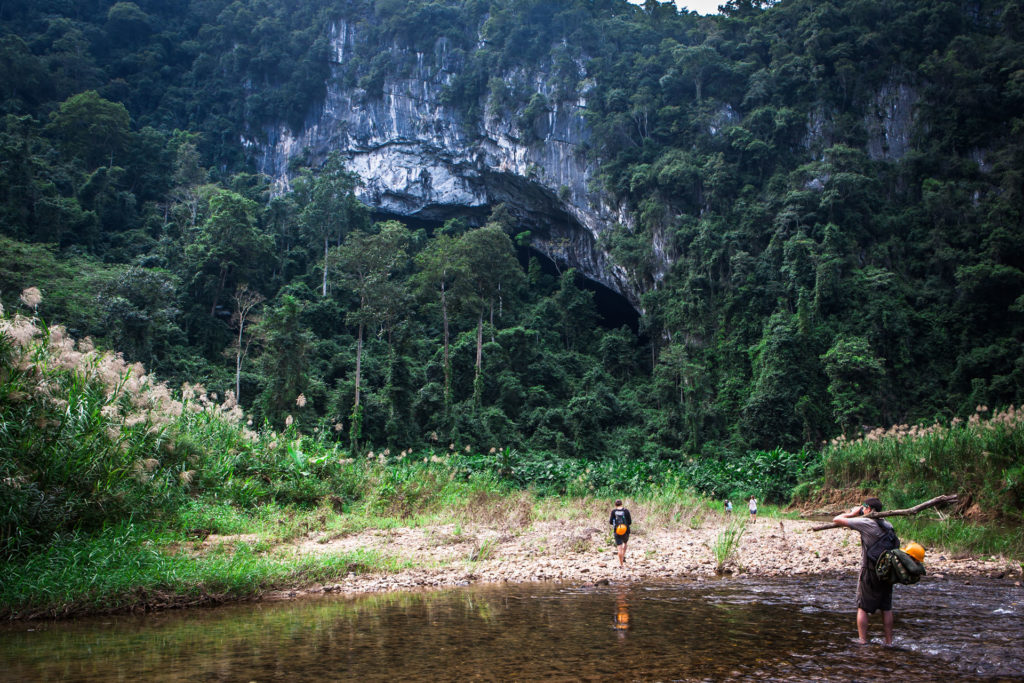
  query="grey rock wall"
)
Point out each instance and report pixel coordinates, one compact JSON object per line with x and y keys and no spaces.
{"x":419,"y":158}
{"x":889,"y":121}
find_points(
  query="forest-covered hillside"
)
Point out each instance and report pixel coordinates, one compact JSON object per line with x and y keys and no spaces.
{"x":825,"y":203}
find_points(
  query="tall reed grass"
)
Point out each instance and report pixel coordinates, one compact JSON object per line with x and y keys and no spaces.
{"x":981,"y":459}
{"x":726,"y":545}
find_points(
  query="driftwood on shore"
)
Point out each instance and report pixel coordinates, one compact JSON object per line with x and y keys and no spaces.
{"x":938,"y":500}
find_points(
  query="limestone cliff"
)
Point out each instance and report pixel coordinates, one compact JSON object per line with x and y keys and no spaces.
{"x":418,"y":157}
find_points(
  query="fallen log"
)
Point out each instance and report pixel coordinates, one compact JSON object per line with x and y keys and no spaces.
{"x":938,"y":500}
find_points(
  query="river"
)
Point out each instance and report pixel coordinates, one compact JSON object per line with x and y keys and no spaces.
{"x":738,"y":628}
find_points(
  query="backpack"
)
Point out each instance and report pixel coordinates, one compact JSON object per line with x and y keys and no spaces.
{"x":888,"y":541}
{"x":620,"y":522}
{"x":896,"y":566}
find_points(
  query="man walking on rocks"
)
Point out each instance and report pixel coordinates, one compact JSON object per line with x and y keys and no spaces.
{"x":621,"y":521}
{"x":872,"y":593}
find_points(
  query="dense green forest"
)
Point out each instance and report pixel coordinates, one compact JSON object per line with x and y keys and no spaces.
{"x":816,"y":288}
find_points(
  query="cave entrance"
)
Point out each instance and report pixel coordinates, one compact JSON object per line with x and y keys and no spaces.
{"x":613,"y":309}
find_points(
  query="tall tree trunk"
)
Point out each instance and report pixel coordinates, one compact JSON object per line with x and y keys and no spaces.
{"x":447,"y":363}
{"x":477,"y":380}
{"x":238,"y":363}
{"x":359,"y":362}
{"x":390,"y":379}
{"x":479,"y":343}
{"x":324,"y":294}
{"x":220,"y":289}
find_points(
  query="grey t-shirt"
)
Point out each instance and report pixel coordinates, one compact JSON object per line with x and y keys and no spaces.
{"x":869,"y":533}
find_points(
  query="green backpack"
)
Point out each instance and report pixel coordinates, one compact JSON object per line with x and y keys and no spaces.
{"x":896,"y":566}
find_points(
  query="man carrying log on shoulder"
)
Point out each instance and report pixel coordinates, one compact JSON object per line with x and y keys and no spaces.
{"x":872,"y":593}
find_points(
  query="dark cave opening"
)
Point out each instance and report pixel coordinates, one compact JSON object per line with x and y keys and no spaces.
{"x":613,"y":309}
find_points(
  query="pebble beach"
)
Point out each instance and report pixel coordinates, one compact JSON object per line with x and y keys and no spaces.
{"x":580,"y":551}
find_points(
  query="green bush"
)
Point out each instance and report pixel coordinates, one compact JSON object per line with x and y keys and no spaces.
{"x":769,"y":475}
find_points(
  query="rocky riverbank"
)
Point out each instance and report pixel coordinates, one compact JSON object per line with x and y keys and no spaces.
{"x":580,"y":551}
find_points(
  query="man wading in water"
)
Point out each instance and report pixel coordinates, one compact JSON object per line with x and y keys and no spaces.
{"x":872,"y":593}
{"x":620,"y":521}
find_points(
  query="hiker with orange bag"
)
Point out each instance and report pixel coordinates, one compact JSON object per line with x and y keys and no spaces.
{"x":620,"y":521}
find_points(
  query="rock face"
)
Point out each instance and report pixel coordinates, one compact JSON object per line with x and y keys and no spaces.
{"x":889,"y":121}
{"x":418,"y":157}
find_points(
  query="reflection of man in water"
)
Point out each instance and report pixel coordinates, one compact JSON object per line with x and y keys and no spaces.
{"x":872,"y":593}
{"x":621,"y":622}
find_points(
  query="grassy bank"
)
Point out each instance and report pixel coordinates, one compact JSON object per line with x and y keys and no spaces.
{"x":963,"y":537}
{"x":981,"y":459}
{"x":134,"y":568}
{"x":211,"y":552}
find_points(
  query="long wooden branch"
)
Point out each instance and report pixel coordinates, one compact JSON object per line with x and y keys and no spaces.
{"x":939,"y":500}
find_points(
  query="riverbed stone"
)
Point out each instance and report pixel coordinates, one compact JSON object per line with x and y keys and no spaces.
{"x":769,"y":547}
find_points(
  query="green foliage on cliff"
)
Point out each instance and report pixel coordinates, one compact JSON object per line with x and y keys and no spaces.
{"x":825,"y":261}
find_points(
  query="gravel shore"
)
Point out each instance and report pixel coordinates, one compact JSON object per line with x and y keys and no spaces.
{"x":581,"y":551}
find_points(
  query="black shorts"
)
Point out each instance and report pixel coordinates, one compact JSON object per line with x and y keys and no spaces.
{"x":873,"y":594}
{"x":620,"y":540}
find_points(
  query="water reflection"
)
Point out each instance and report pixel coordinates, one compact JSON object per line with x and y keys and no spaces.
{"x":783,"y":629}
{"x":621,"y":620}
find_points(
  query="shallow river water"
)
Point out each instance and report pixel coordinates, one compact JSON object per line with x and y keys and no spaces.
{"x":741,"y":628}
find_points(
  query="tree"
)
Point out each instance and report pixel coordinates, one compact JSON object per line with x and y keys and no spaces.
{"x":697,"y":63}
{"x":687,"y":379}
{"x":366,"y":262}
{"x":34,"y":190}
{"x":91,"y":128}
{"x":186,"y":201}
{"x":285,"y":362}
{"x":576,"y":311}
{"x":246,"y":300}
{"x":280,"y":219}
{"x":784,"y":373}
{"x":140,"y":314}
{"x":854,"y":372}
{"x":25,"y":77}
{"x":490,"y":265}
{"x":441,"y":269}
{"x":228,"y":249}
{"x":127,"y":24}
{"x":331,"y":209}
